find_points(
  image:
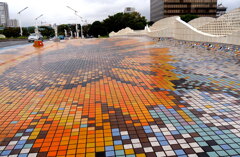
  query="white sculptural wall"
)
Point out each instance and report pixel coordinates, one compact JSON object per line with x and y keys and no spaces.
{"x":201,"y":21}
{"x":225,"y":29}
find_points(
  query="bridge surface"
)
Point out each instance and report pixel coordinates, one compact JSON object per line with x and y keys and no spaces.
{"x":118,"y":97}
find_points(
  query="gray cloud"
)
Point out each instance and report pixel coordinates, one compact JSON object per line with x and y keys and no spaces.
{"x":55,"y":11}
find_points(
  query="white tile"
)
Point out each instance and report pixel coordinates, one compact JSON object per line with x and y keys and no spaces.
{"x":32,"y":155}
{"x":184,"y":146}
{"x":172,"y":142}
{"x":170,"y":153}
{"x":181,"y":141}
{"x":2,"y":147}
{"x":194,"y":144}
{"x":24,"y":138}
{"x":148,"y":149}
{"x":154,"y":144}
{"x":152,"y":139}
{"x":160,"y":154}
{"x":13,"y":143}
{"x":124,"y":133}
{"x":135,"y":140}
{"x":192,"y":155}
{"x":127,"y":146}
{"x":24,"y":151}
{"x":137,"y":145}
{"x":198,"y":150}
{"x":166,"y":148}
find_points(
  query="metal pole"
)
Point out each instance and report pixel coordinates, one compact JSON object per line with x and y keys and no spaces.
{"x":81,"y":32}
{"x":20,"y":22}
{"x":20,"y":25}
{"x":36,"y":23}
{"x":77,"y":31}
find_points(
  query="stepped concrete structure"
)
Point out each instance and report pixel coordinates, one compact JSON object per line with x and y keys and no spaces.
{"x":225,"y":29}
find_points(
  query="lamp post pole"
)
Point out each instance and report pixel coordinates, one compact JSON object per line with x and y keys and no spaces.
{"x":36,"y":31}
{"x":76,"y":24}
{"x":81,"y":25}
{"x":20,"y":22}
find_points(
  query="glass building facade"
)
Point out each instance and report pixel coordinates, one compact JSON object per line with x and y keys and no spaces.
{"x":166,"y":8}
{"x":4,"y":14}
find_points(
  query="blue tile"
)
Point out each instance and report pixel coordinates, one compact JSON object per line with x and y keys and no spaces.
{"x":109,"y":148}
{"x":125,"y":137}
{"x":29,"y":130}
{"x":18,"y":134}
{"x":14,"y":122}
{"x":119,"y":152}
{"x":18,"y":147}
{"x":116,"y":134}
{"x":164,"y":143}
{"x":115,"y":130}
{"x":22,"y":142}
{"x":22,"y":155}
{"x":83,"y":125}
{"x":225,"y":147}
{"x":5,"y":152}
{"x":179,"y":152}
{"x":110,"y":153}
{"x":28,"y":146}
{"x":118,"y":142}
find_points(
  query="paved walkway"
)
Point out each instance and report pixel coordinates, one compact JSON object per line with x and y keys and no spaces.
{"x":118,"y":97}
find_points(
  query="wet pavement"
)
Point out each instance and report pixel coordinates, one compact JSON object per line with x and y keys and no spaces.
{"x":118,"y":97}
{"x":4,"y":44}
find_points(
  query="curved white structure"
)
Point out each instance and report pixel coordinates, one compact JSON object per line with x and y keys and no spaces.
{"x":201,"y":21}
{"x":225,"y":29}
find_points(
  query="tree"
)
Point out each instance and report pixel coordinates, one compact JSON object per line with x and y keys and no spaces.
{"x":86,"y":29}
{"x":47,"y":31}
{"x":150,"y":23}
{"x":61,"y":29}
{"x":188,"y":17}
{"x":122,"y":20}
{"x":97,"y":28}
{"x":11,"y":32}
{"x":31,"y":29}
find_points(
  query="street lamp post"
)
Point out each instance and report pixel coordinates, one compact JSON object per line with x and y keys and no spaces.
{"x":36,"y":31}
{"x":80,"y":24}
{"x":20,"y":22}
{"x":76,"y":24}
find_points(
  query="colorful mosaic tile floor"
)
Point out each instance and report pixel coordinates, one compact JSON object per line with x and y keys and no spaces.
{"x":118,"y":97}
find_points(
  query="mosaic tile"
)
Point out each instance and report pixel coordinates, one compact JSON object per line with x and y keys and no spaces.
{"x":120,"y":97}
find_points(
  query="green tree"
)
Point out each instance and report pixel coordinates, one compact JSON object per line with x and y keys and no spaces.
{"x":47,"y":31}
{"x":122,"y":20}
{"x":150,"y":23}
{"x":86,"y":29}
{"x":31,"y":29}
{"x":11,"y":32}
{"x":188,"y":17}
{"x":63,"y":27}
{"x":97,"y":28}
{"x":25,"y":32}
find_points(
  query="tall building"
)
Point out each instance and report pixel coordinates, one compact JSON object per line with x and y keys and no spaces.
{"x":129,"y":10}
{"x":13,"y":23}
{"x":4,"y":14}
{"x":165,"y":8}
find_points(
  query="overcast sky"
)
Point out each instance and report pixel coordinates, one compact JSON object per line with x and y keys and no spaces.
{"x":55,"y":11}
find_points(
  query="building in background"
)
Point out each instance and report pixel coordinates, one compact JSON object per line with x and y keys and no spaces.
{"x":129,"y":10}
{"x":4,"y":14}
{"x":221,"y":10}
{"x":156,"y":10}
{"x":13,"y":23}
{"x":165,"y":8}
